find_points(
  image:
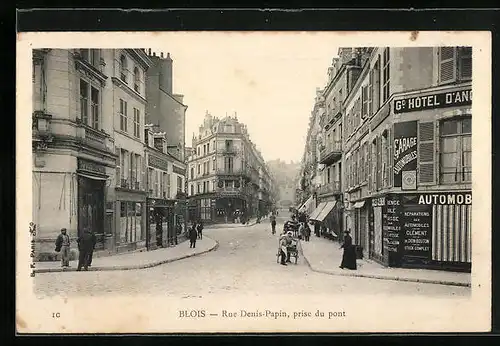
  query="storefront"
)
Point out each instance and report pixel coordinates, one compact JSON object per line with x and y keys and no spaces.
{"x":91,"y":200}
{"x":360,"y":237}
{"x":131,"y":220}
{"x":161,"y":226}
{"x":422,"y":230}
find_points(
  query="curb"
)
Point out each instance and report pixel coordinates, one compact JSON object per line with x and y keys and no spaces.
{"x":383,"y":277}
{"x":133,"y":267}
{"x":247,"y":225}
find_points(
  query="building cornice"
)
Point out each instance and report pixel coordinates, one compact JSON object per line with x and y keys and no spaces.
{"x":140,"y":56}
{"x":122,"y":85}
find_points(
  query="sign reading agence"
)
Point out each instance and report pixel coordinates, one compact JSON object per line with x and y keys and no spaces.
{"x":439,"y":100}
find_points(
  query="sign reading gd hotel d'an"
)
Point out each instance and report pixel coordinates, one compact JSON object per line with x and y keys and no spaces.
{"x":438,"y":100}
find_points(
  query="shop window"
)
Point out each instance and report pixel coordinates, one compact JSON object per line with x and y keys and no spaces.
{"x":455,"y":64}
{"x":455,"y":151}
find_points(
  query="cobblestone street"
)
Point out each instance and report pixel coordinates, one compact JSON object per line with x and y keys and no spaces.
{"x":244,"y":263}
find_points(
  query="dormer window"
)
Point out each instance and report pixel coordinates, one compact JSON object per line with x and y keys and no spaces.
{"x":123,"y":68}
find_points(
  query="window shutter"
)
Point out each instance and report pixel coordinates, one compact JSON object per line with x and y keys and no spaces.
{"x":447,"y":64}
{"x":118,"y":167}
{"x":465,"y":62}
{"x":426,"y":152}
{"x":142,"y":169}
{"x":390,"y":158}
{"x":379,"y":162}
{"x":370,"y":93}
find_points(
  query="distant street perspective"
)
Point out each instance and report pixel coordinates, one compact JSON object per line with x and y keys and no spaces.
{"x":244,"y":263}
{"x":366,"y":189}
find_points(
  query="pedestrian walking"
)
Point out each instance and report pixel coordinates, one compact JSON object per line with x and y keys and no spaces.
{"x":349,"y":255}
{"x":307,"y":231}
{"x":91,"y":253}
{"x":199,"y":228}
{"x":62,"y":245}
{"x":193,"y":234}
{"x":85,"y":246}
{"x":273,"y":224}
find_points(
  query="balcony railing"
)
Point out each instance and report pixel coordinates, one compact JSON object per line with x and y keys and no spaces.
{"x":331,"y":152}
{"x":130,"y":184}
{"x":228,"y":151}
{"x":234,"y":171}
{"x":331,"y":188}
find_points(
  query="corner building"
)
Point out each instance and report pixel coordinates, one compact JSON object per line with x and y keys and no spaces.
{"x":407,"y":154}
{"x":227,"y":176}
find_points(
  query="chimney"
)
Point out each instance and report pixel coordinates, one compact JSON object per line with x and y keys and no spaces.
{"x":161,"y":55}
{"x":154,"y":53}
{"x":149,"y":51}
{"x":166,"y":78}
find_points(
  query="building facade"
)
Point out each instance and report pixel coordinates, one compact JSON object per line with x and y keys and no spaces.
{"x":166,"y":109}
{"x":165,"y":179}
{"x":227,"y":177}
{"x":407,"y":147}
{"x":87,"y":150}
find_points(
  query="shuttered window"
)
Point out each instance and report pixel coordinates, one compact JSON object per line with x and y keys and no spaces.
{"x":390,"y":158}
{"x":370,"y":93}
{"x":118,"y":166}
{"x":376,"y":86}
{"x":379,"y":162}
{"x":386,"y":76}
{"x":455,"y":64}
{"x":364,"y":96}
{"x":465,"y":63}
{"x":426,"y":152}
{"x":447,"y":64}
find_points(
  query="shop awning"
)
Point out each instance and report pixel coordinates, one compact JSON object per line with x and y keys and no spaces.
{"x":326,"y":210}
{"x":316,"y":211}
{"x":92,"y":176}
{"x":306,"y":206}
{"x":359,"y":204}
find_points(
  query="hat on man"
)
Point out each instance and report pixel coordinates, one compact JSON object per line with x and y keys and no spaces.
{"x":289,"y":233}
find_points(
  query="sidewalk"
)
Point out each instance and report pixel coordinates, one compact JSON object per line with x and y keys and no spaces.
{"x":324,"y":256}
{"x":137,"y":260}
{"x":231,"y":225}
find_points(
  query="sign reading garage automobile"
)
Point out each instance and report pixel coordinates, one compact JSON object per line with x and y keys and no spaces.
{"x":440,"y":100}
{"x":405,"y":155}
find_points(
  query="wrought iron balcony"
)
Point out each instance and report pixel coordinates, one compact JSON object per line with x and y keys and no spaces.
{"x":331,"y":152}
{"x":228,"y":151}
{"x":331,"y":188}
{"x":233,"y":171}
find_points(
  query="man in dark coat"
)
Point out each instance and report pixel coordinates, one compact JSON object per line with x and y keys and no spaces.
{"x":85,"y":247}
{"x":199,"y":228}
{"x":193,"y":234}
{"x":349,"y":256}
{"x":91,"y":253}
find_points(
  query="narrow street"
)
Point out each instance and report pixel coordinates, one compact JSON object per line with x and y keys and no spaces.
{"x":244,"y":263}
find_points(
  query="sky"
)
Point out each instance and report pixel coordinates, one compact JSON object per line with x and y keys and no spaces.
{"x":268,"y":79}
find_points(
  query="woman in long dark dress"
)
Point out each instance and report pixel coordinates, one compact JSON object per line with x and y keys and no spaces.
{"x":349,"y":256}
